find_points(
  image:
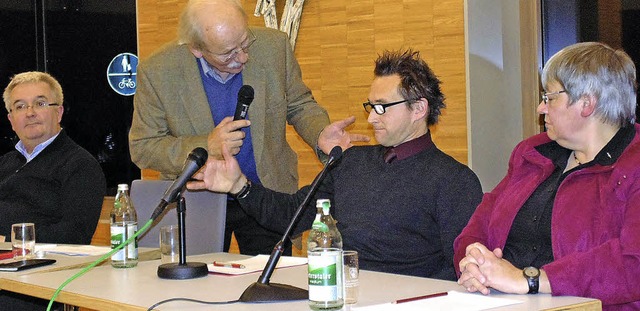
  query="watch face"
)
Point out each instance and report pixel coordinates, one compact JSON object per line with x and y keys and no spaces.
{"x":531,"y":272}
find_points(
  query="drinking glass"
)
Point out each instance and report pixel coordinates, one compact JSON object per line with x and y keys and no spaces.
{"x":351,"y":273}
{"x":169,"y":244}
{"x":23,"y":240}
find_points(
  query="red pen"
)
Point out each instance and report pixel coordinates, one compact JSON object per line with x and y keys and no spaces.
{"x":228,"y":265}
{"x":6,"y":255}
{"x":421,"y":297}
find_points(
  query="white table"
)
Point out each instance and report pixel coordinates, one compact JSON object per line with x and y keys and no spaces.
{"x":64,"y":262}
{"x":107,"y":288}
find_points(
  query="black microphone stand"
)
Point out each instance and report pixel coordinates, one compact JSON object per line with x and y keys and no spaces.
{"x":262,"y":290}
{"x":182,"y":270}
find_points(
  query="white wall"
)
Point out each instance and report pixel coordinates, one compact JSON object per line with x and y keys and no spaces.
{"x":494,"y":86}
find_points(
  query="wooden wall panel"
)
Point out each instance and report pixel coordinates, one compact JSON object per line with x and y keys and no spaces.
{"x":337,"y":44}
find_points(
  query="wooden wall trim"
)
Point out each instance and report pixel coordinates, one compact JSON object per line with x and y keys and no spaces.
{"x":530,"y":62}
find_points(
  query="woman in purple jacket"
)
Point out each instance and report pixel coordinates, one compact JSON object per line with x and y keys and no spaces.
{"x":565,"y":219}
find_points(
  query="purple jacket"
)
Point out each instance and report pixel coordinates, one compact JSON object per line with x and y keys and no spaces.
{"x":595,"y":225}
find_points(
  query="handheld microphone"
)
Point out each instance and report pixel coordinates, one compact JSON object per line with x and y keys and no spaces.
{"x":196,"y":159}
{"x":245,"y":97}
{"x":262,"y":290}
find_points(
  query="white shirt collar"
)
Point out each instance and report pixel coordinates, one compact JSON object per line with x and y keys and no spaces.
{"x":212,"y":72}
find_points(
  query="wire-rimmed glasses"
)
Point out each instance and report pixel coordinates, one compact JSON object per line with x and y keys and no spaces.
{"x":545,"y":96}
{"x":244,"y":47}
{"x":38,"y":105}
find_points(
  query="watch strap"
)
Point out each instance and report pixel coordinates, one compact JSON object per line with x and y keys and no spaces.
{"x":532,"y":281}
{"x":244,"y":191}
{"x":534,"y":285}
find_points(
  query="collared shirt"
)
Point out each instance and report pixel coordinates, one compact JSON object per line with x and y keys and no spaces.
{"x":529,"y":240}
{"x":23,"y":150}
{"x":410,"y":148}
{"x":212,"y":72}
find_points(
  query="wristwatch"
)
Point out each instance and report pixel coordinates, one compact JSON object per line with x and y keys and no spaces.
{"x":532,"y":274}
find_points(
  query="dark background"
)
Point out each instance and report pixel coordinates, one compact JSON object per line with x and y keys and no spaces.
{"x":75,"y":40}
{"x":565,"y":22}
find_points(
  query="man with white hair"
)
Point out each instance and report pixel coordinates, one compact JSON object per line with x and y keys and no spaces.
{"x":187,"y":94}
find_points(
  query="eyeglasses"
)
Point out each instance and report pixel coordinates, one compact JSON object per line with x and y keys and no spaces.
{"x":244,"y":47}
{"x":381,"y":108}
{"x":545,"y":96}
{"x":38,"y":105}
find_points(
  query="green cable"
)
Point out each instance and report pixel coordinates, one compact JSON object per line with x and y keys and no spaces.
{"x":95,"y":263}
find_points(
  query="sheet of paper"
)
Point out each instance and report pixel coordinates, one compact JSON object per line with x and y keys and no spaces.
{"x":73,"y":250}
{"x":257,"y":263}
{"x":453,"y":301}
{"x":2,"y":238}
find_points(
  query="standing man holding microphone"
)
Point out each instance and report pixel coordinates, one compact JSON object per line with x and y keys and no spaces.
{"x":188,"y":91}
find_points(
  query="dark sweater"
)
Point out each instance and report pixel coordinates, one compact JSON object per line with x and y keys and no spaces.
{"x":401,"y":217}
{"x":61,"y":190}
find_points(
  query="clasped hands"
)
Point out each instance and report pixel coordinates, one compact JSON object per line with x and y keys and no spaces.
{"x":482,"y":269}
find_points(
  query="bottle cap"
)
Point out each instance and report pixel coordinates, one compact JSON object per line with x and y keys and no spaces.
{"x":323,"y":203}
{"x":123,"y":187}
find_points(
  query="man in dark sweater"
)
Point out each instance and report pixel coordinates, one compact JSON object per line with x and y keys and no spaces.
{"x":400,"y":204}
{"x":48,"y":180}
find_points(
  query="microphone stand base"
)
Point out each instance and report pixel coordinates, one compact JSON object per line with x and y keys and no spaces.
{"x":273,"y":292}
{"x":188,"y":270}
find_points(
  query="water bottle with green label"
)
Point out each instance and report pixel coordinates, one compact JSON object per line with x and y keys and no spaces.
{"x":324,"y":251}
{"x":124,"y":224}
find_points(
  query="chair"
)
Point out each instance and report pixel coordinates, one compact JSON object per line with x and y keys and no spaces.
{"x":204,"y":216}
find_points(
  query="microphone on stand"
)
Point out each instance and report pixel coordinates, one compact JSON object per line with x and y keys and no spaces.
{"x":245,"y":97}
{"x":196,"y":159}
{"x":182,"y":269}
{"x":262,"y":290}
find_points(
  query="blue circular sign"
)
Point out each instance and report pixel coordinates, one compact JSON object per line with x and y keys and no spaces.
{"x":122,"y":72}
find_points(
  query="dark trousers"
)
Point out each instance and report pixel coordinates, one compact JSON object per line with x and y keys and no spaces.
{"x":252,"y":238}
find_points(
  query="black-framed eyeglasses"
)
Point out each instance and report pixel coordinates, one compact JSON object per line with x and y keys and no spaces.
{"x":244,"y":47}
{"x":38,"y":105}
{"x":381,"y":108}
{"x":545,"y":96}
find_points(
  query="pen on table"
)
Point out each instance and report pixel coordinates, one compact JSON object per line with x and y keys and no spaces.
{"x":420,"y":297}
{"x":6,"y":255}
{"x":228,"y":265}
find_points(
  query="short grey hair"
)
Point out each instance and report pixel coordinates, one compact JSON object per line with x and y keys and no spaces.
{"x":593,"y":68}
{"x":33,"y":77}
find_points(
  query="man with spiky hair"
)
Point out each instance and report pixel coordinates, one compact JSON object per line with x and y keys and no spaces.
{"x":401,"y":203}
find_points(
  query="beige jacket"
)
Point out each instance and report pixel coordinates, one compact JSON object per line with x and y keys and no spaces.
{"x":172,"y":117}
